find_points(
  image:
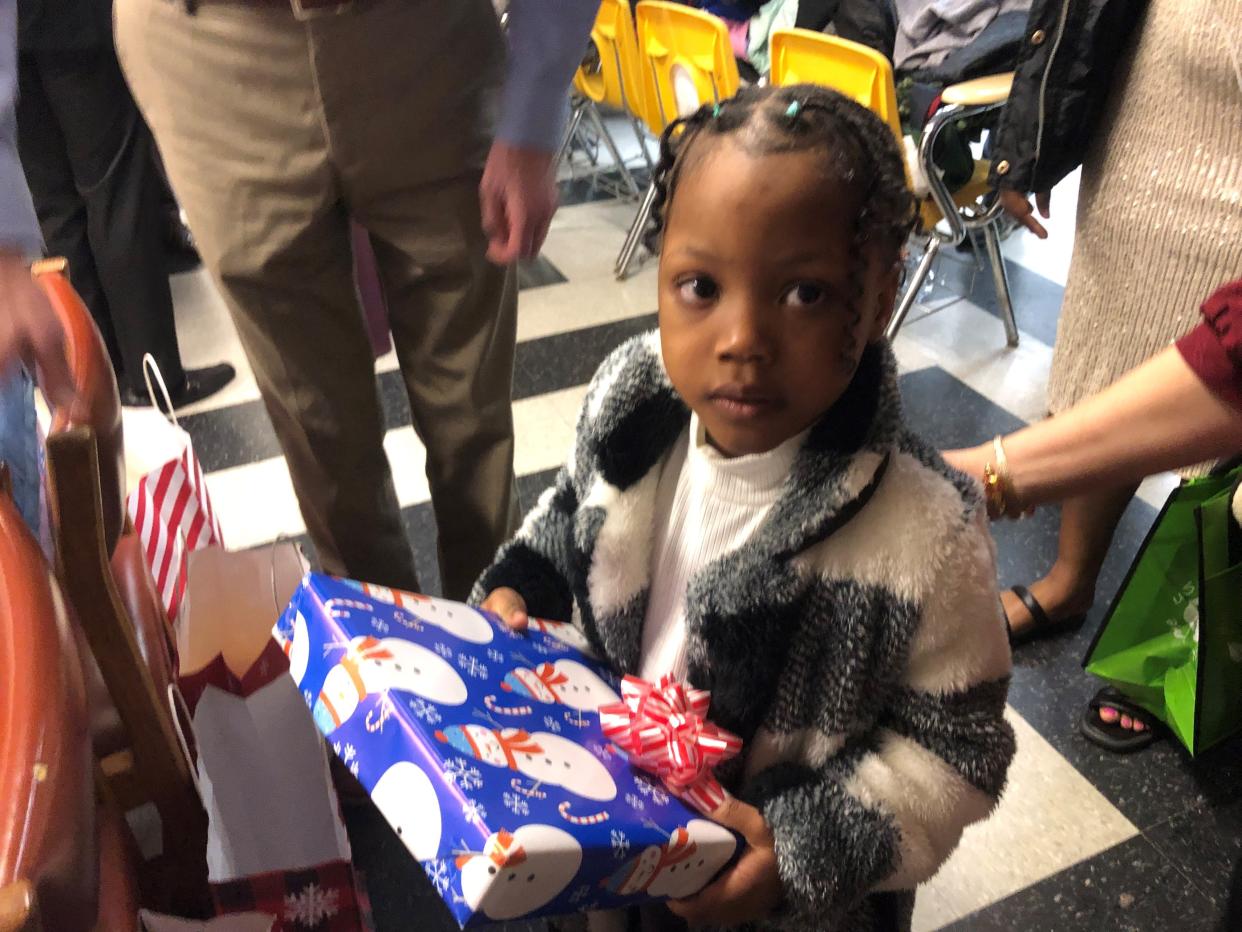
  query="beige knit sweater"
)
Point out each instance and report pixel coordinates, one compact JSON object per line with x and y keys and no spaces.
{"x":1160,"y":208}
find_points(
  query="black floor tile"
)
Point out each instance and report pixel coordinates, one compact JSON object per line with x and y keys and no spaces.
{"x":1129,"y":888}
{"x":537,"y":272}
{"x":1205,"y":844}
{"x":242,"y":433}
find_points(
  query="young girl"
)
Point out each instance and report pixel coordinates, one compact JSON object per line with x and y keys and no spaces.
{"x":745,"y":508}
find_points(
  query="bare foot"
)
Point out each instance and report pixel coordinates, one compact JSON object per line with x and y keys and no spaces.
{"x":1111,"y":716}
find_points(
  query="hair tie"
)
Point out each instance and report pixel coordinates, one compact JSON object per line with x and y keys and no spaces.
{"x":794,"y":108}
{"x":715,"y":111}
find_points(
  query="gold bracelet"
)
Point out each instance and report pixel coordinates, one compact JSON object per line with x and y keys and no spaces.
{"x":1007,"y":494}
{"x":993,"y":492}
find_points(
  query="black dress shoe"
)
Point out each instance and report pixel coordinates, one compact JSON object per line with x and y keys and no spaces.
{"x":199,"y":384}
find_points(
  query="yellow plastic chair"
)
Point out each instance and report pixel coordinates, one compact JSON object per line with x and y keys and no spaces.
{"x":610,"y":75}
{"x":800,"y":56}
{"x":686,"y":61}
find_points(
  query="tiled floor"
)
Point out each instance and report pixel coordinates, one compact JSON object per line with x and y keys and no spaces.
{"x":1082,"y":840}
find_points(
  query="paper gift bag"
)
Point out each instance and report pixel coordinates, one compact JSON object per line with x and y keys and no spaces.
{"x":485,"y":752}
{"x":276,"y":843}
{"x":1172,"y":639}
{"x":167,"y":500}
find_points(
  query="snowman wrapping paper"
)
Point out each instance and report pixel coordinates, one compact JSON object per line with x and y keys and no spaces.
{"x":483,"y":750}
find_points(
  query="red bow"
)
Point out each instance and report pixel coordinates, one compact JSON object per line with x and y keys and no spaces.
{"x":663,"y":728}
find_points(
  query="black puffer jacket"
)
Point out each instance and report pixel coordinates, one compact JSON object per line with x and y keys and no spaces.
{"x":1060,"y":88}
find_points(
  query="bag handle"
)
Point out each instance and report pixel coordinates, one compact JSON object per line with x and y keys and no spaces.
{"x":150,"y":368}
{"x":177,"y":708}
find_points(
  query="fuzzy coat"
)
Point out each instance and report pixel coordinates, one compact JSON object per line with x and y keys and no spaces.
{"x":855,"y":642}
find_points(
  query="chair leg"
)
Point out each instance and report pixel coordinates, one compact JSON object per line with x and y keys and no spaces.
{"x":912,"y":289}
{"x":992,"y":240}
{"x":642,"y":143}
{"x":611,"y":145}
{"x":571,"y":132}
{"x":635,"y":235}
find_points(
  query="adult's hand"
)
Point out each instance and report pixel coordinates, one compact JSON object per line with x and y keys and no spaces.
{"x":518,"y":198}
{"x":30,"y":332}
{"x":1018,"y":207}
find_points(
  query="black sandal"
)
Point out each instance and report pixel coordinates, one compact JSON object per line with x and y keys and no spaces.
{"x":1043,"y":627}
{"x":1114,"y":736}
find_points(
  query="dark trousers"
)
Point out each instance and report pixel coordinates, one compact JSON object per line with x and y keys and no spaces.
{"x":90,"y":164}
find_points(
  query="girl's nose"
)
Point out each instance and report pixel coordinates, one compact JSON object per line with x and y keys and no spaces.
{"x":744,"y":336}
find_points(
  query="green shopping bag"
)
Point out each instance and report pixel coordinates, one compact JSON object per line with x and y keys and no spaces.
{"x":1172,"y":639}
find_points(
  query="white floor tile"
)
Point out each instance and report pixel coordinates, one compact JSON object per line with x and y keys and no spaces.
{"x":256,"y":504}
{"x":969,"y":343}
{"x":1050,"y":818}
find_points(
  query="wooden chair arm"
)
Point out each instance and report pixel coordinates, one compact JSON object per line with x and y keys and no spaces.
{"x":993,"y":89}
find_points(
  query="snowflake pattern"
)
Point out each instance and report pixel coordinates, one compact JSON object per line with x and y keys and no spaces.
{"x":540,"y":648}
{"x":309,"y":697}
{"x":311,"y":906}
{"x":443,"y":650}
{"x":353,"y":768}
{"x":495,"y":656}
{"x":349,"y":753}
{"x":635,"y":802}
{"x":424,"y":710}
{"x":380,"y":625}
{"x":438,"y":874}
{"x":462,"y":774}
{"x":602,"y":751}
{"x":336,"y":748}
{"x":517,"y":804}
{"x":580,"y":894}
{"x":474,"y":811}
{"x":620,"y":844}
{"x":472,"y":666}
{"x":655,"y":793}
{"x":552,"y":724}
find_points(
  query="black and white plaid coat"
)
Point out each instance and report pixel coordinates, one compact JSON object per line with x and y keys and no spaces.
{"x":855,"y":642}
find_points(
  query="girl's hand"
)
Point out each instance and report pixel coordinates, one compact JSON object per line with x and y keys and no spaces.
{"x":509,"y":605}
{"x":750,"y":890}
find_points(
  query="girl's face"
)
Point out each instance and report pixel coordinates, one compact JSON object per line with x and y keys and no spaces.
{"x":758,"y":320}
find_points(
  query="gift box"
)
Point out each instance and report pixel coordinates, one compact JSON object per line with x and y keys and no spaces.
{"x":484,"y":750}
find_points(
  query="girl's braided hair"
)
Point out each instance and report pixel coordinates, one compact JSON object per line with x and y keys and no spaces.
{"x":858,"y":150}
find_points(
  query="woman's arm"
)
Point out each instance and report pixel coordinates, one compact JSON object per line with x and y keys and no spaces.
{"x":1156,"y":417}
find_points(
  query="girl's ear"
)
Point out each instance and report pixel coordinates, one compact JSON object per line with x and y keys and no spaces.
{"x":886,"y":299}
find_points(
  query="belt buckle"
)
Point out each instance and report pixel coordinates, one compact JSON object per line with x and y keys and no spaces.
{"x":301,"y":12}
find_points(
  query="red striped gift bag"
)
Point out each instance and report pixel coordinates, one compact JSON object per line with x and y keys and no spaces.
{"x":168,"y":501}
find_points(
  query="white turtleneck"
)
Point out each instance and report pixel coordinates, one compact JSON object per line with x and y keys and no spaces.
{"x":707,"y":505}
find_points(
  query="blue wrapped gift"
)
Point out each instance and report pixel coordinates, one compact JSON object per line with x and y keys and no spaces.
{"x":482,"y":749}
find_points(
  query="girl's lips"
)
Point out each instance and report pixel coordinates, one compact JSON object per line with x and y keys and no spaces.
{"x":741,"y":403}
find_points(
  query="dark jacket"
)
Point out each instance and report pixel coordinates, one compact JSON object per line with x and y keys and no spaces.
{"x":1061,"y":84}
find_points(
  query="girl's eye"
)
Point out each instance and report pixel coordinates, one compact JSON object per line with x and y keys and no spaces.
{"x":698,"y":290}
{"x":805,"y":294}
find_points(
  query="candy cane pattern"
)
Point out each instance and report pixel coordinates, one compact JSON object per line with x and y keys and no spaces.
{"x":490,"y":703}
{"x":335,"y":612}
{"x":532,"y":792}
{"x":594,"y":819}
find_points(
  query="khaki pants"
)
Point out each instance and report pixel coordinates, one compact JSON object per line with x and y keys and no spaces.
{"x":275,"y":132}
